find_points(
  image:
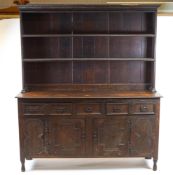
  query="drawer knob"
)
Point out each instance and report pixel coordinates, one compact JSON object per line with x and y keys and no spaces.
{"x":40,"y":136}
{"x":144,"y":109}
{"x":88,"y":109}
{"x":95,"y":135}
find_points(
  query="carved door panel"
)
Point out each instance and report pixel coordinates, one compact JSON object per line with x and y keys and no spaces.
{"x":110,"y":137}
{"x":67,"y":137}
{"x":34,"y":137}
{"x":142,"y":135}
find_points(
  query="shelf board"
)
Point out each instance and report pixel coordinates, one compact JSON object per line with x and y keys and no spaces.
{"x":85,"y":59}
{"x":86,"y":35}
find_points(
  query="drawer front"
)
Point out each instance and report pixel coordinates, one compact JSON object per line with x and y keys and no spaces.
{"x":33,"y":108}
{"x":48,"y":109}
{"x":62,"y":109}
{"x":115,"y":108}
{"x":143,"y":108}
{"x":88,"y":108}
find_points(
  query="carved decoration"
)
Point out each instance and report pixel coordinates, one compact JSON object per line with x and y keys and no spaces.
{"x":114,"y":129}
{"x":47,"y":109}
{"x":46,"y":133}
{"x":33,"y":109}
{"x":34,"y":137}
{"x":141,"y":138}
{"x":67,"y":137}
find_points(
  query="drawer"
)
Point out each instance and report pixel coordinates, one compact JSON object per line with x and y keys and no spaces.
{"x":88,"y":108}
{"x":62,"y":109}
{"x":48,"y":109}
{"x":143,"y":108}
{"x":115,"y":108}
{"x":33,"y":108}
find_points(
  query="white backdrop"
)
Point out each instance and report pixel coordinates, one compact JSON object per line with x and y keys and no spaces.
{"x":10,"y":85}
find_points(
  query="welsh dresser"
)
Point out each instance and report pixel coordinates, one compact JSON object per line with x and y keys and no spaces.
{"x":88,"y":82}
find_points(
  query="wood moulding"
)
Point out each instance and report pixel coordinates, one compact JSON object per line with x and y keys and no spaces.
{"x":13,"y":12}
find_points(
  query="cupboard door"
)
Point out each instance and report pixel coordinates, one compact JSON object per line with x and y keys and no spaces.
{"x":142,"y":135}
{"x":67,"y":137}
{"x":34,"y":137}
{"x":110,"y":137}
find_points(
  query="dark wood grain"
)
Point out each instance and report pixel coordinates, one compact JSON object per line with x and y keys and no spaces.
{"x":88,"y":94}
{"x":123,"y":34}
{"x":57,"y":72}
{"x":43,"y":23}
{"x":88,"y":82}
{"x":90,"y":47}
{"x":117,"y":130}
{"x":130,"y":47}
{"x":61,"y":47}
{"x":90,"y":22}
{"x":131,"y":22}
{"x":142,"y":130}
{"x":90,"y":72}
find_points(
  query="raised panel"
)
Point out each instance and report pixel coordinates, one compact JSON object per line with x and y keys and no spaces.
{"x":34,"y":137}
{"x":142,"y":136}
{"x":67,"y":137}
{"x":110,"y":137}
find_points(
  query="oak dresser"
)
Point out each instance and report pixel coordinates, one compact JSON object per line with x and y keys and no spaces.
{"x":88,"y":82}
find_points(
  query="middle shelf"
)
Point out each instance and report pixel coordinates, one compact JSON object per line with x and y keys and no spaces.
{"x":88,"y":72}
{"x":90,"y":46}
{"x":88,"y":34}
{"x":85,"y":59}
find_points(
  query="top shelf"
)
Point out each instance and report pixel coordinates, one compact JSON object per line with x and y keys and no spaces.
{"x":88,"y":24}
{"x":89,"y":6}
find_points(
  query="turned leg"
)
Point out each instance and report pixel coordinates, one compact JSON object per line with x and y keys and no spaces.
{"x":23,"y":165}
{"x":154,"y":164}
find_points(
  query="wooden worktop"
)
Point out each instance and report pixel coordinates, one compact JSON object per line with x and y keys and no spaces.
{"x":88,"y":94}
